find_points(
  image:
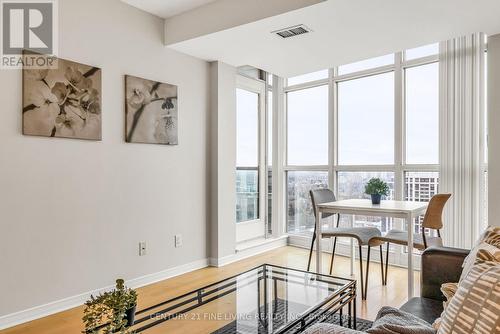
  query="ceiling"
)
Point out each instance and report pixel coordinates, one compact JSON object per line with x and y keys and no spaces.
{"x":167,"y":8}
{"x":344,"y":31}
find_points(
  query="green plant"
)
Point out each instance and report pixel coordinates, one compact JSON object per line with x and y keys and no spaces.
{"x":108,"y":310}
{"x":376,"y":187}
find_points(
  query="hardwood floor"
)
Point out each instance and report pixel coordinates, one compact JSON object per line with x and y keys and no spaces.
{"x":394,"y":294}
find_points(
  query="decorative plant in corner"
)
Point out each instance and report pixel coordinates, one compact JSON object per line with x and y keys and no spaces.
{"x":376,"y":188}
{"x":111,"y":312}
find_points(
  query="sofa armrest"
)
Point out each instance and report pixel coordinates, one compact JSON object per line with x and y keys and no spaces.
{"x":440,"y":265}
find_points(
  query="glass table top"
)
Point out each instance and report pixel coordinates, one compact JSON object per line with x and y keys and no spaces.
{"x":265,"y":299}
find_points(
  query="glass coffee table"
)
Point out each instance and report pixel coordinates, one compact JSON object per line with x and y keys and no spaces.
{"x":265,"y":299}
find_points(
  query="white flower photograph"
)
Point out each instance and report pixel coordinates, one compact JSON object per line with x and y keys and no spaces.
{"x":151,"y":112}
{"x":64,"y":102}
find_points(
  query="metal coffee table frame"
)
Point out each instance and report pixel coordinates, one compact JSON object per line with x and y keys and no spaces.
{"x":344,"y":294}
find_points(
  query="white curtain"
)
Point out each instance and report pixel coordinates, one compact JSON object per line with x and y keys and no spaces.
{"x":462,"y":138}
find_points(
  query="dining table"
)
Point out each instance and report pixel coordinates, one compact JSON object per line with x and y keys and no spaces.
{"x":406,"y":210}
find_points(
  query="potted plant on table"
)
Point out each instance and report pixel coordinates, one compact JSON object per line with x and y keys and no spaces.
{"x":376,"y":188}
{"x":111,"y":312}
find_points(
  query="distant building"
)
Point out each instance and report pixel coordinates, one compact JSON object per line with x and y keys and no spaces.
{"x":247,"y":194}
{"x":420,"y":187}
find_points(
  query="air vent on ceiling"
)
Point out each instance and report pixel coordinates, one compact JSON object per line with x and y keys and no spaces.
{"x":292,"y":31}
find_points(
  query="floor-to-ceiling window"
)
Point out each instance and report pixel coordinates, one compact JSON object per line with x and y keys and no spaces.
{"x":373,"y":118}
{"x":421,"y":149}
{"x":338,"y":128}
{"x":365,"y":135}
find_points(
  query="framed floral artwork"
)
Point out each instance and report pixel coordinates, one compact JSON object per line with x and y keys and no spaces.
{"x":63,"y":102}
{"x":151,"y":112}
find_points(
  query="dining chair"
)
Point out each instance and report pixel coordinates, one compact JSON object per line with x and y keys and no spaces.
{"x":432,"y":220}
{"x":365,"y":236}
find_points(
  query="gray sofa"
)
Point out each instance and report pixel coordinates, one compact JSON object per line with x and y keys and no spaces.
{"x":439,"y":265}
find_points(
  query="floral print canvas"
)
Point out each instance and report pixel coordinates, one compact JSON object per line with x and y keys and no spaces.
{"x":151,"y":112}
{"x":63,"y":102}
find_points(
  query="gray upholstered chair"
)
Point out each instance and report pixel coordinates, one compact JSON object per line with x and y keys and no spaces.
{"x":365,"y":236}
{"x":432,"y":220}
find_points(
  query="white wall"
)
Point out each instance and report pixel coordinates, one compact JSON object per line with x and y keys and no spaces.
{"x":222,"y":162}
{"x":72,"y":212}
{"x":494,"y":130}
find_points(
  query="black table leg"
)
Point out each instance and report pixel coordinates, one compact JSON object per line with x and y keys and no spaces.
{"x":349,"y":307}
{"x":354,"y":312}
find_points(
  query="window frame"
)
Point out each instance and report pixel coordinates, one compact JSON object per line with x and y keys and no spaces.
{"x":400,"y":166}
{"x":269,"y":114}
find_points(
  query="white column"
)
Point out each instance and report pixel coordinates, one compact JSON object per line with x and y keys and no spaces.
{"x":279,"y":214}
{"x":222,"y":161}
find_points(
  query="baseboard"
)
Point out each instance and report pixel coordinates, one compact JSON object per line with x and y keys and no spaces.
{"x":168,"y":273}
{"x":255,"y":249}
{"x":41,"y":311}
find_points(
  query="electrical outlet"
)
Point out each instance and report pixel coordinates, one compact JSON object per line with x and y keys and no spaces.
{"x":178,"y":240}
{"x":142,"y":248}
